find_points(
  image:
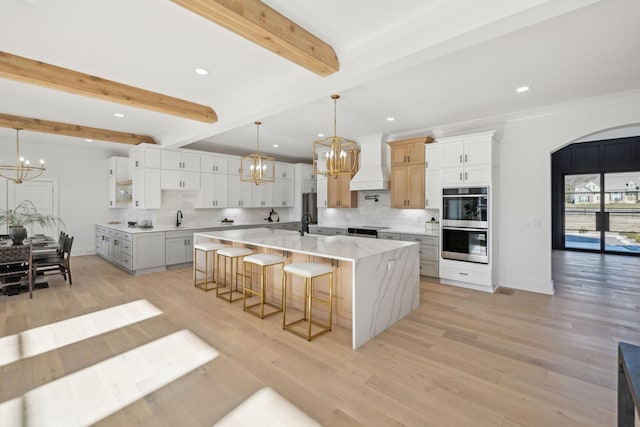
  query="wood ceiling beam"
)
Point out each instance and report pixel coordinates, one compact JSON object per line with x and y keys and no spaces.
{"x":257,"y":22}
{"x":37,"y":125}
{"x":51,"y":76}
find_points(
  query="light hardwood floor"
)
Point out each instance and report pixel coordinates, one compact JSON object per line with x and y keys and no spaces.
{"x":463,"y":358}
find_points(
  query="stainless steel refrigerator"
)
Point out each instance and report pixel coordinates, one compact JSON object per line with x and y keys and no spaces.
{"x":310,"y":205}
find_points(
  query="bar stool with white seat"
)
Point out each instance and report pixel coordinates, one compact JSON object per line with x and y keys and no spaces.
{"x":209,"y":248}
{"x":233,"y":255}
{"x":263,"y":261}
{"x":310,"y":271}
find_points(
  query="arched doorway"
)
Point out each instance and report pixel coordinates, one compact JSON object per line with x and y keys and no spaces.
{"x":596,"y":194}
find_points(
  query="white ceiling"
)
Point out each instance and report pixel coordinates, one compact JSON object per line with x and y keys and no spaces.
{"x":428,"y":63}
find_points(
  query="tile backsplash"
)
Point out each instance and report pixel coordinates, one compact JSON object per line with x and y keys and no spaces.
{"x":372,"y":213}
{"x":368,"y":212}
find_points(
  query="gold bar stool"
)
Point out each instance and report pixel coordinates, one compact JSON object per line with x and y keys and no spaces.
{"x":231,"y":254}
{"x":263,"y":261}
{"x":209,"y":248}
{"x":310,"y":271}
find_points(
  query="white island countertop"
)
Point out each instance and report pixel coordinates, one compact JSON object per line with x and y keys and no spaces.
{"x":384,"y":274}
{"x":210,"y":226}
{"x":346,"y":248}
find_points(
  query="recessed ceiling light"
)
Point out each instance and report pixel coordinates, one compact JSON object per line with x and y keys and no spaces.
{"x":522,"y":89}
{"x":391,"y":119}
{"x":276,"y":145}
{"x":119,"y":115}
{"x":320,"y":135}
{"x":89,"y":140}
{"x":201,"y":71}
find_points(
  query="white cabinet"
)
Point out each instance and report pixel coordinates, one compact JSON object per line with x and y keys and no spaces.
{"x":306,"y":172}
{"x":179,"y":180}
{"x":433,"y":181}
{"x":119,"y":182}
{"x":178,"y":247}
{"x":261,"y":195}
{"x":283,"y":193}
{"x":145,"y":158}
{"x":179,"y":160}
{"x":239,"y":192}
{"x":284,"y":170}
{"x":214,"y":164}
{"x":148,"y":250}
{"x":468,"y":159}
{"x":322,"y":191}
{"x":146,"y":188}
{"x":234,"y":166}
{"x":214,"y":191}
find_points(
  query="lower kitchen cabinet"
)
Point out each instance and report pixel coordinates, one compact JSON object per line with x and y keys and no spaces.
{"x":179,"y":247}
{"x":429,"y":250}
{"x":136,"y":253}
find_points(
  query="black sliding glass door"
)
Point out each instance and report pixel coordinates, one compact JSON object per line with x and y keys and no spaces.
{"x":602,"y":212}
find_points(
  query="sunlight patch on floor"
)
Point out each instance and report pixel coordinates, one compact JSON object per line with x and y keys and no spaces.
{"x":265,"y":408}
{"x":89,"y":395}
{"x":59,"y":334}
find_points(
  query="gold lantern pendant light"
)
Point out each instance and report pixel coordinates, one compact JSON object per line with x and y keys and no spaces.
{"x":255,"y":167}
{"x":335,"y":156}
{"x":22,"y":170}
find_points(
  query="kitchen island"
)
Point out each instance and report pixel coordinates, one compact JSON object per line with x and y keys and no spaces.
{"x":377,"y":281}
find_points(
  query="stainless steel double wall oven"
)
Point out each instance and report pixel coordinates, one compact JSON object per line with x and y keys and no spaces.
{"x":465,"y":224}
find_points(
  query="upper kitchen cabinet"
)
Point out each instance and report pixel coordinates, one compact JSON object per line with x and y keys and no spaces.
{"x":407,"y":173}
{"x":468,"y":159}
{"x":214,"y":191}
{"x":261,"y":195}
{"x":239,"y":192}
{"x":214,"y":164}
{"x":408,"y":151}
{"x":339,"y":194}
{"x":284,"y":171}
{"x":180,"y":180}
{"x":119,"y":182}
{"x":179,"y":160}
{"x":146,"y":188}
{"x":143,"y":157}
{"x":282,"y":193}
{"x":433,"y":182}
{"x":323,"y":195}
{"x":234,"y":166}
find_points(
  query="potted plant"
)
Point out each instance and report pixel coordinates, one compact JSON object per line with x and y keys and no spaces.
{"x":25,"y":214}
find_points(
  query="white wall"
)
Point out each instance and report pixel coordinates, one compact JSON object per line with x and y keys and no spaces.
{"x":525,"y":183}
{"x":80,"y":170}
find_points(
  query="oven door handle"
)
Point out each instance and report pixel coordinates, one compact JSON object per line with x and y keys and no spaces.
{"x":465,"y":229}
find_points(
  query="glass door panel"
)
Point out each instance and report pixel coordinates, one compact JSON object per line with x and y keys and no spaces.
{"x":621,"y":216}
{"x":582,"y":212}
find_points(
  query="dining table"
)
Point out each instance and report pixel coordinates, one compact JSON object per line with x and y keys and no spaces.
{"x":42,"y":247}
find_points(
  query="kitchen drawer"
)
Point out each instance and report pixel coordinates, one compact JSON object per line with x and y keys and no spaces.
{"x":430,"y":253}
{"x":127,"y":236}
{"x":338,"y":232}
{"x":127,"y":247}
{"x":127,"y":261}
{"x":429,"y":268}
{"x":479,"y":274}
{"x":320,"y":230}
{"x":389,"y":236}
{"x":113,"y":233}
{"x":425,"y":240}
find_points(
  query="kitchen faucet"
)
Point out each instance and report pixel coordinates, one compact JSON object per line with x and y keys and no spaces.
{"x":304,"y":223}
{"x":178,"y":218}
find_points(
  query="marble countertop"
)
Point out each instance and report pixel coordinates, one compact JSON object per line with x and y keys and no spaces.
{"x":345,"y":248}
{"x":187,"y":227}
{"x":392,"y":229}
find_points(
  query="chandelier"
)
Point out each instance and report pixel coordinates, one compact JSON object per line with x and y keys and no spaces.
{"x":255,"y":167}
{"x":22,"y":170}
{"x":335,"y":156}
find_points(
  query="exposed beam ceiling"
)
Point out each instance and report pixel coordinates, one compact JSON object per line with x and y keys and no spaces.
{"x":262,"y":25}
{"x":37,"y":125}
{"x":39,"y":73}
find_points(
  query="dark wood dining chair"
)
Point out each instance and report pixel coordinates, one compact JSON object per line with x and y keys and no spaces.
{"x":16,"y":266}
{"x":57,"y":264}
